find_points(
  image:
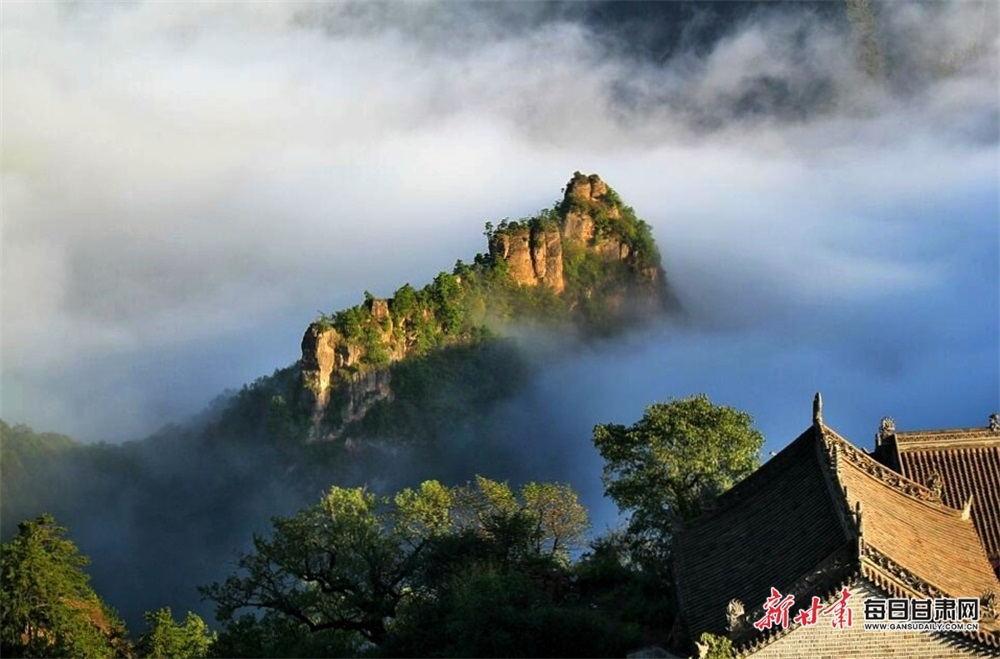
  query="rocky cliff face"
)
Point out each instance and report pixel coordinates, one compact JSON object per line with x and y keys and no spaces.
{"x":590,"y":227}
{"x":330,"y":361}
{"x":533,"y":254}
{"x":595,"y":219}
{"x":319,"y":359}
{"x":585,"y":196}
{"x":587,"y":219}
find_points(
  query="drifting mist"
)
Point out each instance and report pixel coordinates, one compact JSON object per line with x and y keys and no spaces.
{"x":186,"y":184}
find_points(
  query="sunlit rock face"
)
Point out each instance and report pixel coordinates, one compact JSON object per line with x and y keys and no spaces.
{"x":584,"y":194}
{"x":514,"y":247}
{"x":547,"y":258}
{"x":533,"y":255}
{"x":318,"y":361}
{"x":587,"y":203}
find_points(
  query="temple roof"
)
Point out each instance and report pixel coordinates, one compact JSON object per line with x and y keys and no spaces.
{"x":772,"y":528}
{"x":818,"y":515}
{"x":967,"y":463}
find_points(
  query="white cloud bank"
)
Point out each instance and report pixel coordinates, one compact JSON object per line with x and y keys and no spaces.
{"x":185,"y":184}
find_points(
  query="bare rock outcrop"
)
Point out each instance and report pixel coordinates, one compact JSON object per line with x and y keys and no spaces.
{"x":364,"y":390}
{"x":329,"y":362}
{"x":514,"y":247}
{"x":586,"y":188}
{"x":547,"y":258}
{"x":379,"y":308}
{"x":585,"y":197}
{"x":587,"y":204}
{"x":319,"y":359}
{"x":533,"y":254}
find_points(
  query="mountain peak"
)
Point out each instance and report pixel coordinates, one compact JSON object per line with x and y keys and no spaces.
{"x":589,"y":260}
{"x":585,"y":188}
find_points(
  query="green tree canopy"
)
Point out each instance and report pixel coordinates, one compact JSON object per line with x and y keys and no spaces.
{"x":348,"y":562}
{"x":499,"y":581}
{"x":167,"y":638}
{"x":334,"y":565}
{"x":678,"y":456}
{"x":275,"y":635}
{"x":516,"y":610}
{"x":560,"y":519}
{"x":47,"y":606}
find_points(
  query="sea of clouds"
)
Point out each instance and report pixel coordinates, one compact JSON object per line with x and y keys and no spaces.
{"x":186,"y":184}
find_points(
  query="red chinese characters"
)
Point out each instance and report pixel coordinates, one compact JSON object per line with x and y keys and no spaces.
{"x":777,"y":606}
{"x":775,"y":610}
{"x":810,"y":616}
{"x":843,"y":617}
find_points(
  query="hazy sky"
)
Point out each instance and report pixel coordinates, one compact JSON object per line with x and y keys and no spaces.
{"x":185,"y":185}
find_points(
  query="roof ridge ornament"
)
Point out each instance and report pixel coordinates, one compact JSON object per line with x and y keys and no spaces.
{"x":838,"y":446}
{"x":994,"y":422}
{"x":967,"y":508}
{"x":886,"y":429}
{"x":736,"y":618}
{"x":818,"y":409}
{"x":935,"y":483}
{"x":990,"y":606}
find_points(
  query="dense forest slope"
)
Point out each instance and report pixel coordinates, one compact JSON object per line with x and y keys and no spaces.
{"x":386,"y":393}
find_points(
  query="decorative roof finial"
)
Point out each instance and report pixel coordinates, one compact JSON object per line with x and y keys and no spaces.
{"x":935,"y":483}
{"x":735,"y":618}
{"x":967,"y":509}
{"x":818,"y":409}
{"x":886,"y":429}
{"x":995,"y":422}
{"x":989,"y":605}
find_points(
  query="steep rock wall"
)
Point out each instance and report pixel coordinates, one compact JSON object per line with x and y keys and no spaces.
{"x":533,"y":255}
{"x":331,"y":361}
{"x":583,"y":195}
{"x":547,"y":258}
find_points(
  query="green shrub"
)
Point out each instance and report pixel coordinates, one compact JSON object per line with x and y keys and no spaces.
{"x":717,"y":647}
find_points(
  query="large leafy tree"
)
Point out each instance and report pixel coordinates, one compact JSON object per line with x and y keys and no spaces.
{"x":167,"y":638}
{"x":275,"y":635}
{"x":333,"y":566}
{"x":47,"y":606}
{"x":350,"y":561}
{"x":524,"y":608}
{"x":499,"y":582}
{"x":554,"y":520}
{"x":664,"y":468}
{"x":560,"y":519}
